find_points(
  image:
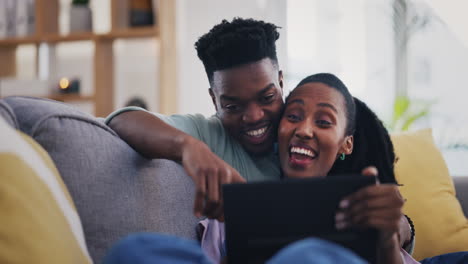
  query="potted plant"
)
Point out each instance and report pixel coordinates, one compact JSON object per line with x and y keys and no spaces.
{"x":80,"y":16}
{"x":407,"y":111}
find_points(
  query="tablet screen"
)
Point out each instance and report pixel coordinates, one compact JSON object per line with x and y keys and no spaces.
{"x":263,"y":217}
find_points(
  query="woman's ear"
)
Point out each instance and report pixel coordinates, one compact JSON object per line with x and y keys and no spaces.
{"x":348,"y":144}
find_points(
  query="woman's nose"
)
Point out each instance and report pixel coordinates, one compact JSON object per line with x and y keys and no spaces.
{"x":305,"y":130}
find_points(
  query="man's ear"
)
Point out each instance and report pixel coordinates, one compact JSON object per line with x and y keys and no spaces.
{"x":348,"y":144}
{"x":213,"y":98}
{"x":280,"y":79}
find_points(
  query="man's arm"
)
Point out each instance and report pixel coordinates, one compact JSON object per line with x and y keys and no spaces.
{"x":155,"y":139}
{"x":149,"y":135}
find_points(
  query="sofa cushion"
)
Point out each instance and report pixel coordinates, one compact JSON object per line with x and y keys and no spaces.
{"x":440,"y":224}
{"x":39,"y":220}
{"x":116,"y":191}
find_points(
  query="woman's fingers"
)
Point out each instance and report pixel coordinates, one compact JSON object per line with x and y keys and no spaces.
{"x":370,"y":171}
{"x":377,"y":206}
{"x":383,"y":219}
{"x":372,"y":192}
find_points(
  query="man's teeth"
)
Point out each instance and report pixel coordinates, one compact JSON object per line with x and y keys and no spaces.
{"x":302,"y":151}
{"x":257,"y":133}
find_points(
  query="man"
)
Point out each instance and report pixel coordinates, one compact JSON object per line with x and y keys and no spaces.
{"x":246,"y":89}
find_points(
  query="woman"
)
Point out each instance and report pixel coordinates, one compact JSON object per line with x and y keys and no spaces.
{"x":318,"y":136}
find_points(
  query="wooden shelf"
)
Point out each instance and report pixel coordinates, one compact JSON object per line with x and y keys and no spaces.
{"x":19,"y":41}
{"x":47,"y":31}
{"x":84,"y":36}
{"x":137,"y":32}
{"x":62,"y":97}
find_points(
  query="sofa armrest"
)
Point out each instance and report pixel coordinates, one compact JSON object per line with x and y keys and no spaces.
{"x":7,"y":114}
{"x":461,"y":187}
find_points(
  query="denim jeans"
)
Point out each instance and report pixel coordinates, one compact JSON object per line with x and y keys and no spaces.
{"x":149,"y":248}
{"x":452,"y":258}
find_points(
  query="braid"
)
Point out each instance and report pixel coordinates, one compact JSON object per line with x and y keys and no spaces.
{"x":372,"y":147}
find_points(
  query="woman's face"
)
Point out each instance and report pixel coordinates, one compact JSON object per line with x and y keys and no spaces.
{"x":311,"y":132}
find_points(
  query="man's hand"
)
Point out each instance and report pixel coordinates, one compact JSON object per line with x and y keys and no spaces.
{"x":209,"y":173}
{"x":155,"y":139}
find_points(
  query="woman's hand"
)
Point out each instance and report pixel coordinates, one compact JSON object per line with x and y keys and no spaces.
{"x":378,"y":206}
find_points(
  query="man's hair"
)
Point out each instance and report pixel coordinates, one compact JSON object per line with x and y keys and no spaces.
{"x":235,"y":43}
{"x":372,"y":144}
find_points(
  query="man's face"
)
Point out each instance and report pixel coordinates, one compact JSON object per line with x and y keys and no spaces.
{"x":248,"y":100}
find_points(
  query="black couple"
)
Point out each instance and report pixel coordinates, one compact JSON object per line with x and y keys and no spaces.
{"x":320,"y":130}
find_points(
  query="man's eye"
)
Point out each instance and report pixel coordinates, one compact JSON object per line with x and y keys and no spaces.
{"x":232,"y":107}
{"x":267,"y":98}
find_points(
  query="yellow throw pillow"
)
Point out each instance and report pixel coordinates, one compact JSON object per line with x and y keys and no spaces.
{"x":39,"y":222}
{"x":441,"y":227}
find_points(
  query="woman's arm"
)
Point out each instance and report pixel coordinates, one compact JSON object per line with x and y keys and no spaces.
{"x":378,"y":206}
{"x":388,"y":250}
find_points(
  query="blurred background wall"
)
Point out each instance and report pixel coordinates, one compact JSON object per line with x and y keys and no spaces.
{"x":406,"y":58}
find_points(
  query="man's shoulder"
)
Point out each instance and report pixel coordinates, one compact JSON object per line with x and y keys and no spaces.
{"x":202,"y":118}
{"x":212,"y":123}
{"x":189,"y":119}
{"x":207,"y":129}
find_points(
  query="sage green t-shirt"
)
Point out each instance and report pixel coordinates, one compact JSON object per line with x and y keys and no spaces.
{"x":211,"y":131}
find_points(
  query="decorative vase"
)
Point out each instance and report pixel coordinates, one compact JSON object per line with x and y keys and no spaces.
{"x":80,"y":18}
{"x":8,"y":18}
{"x":155,"y":6}
{"x":25,"y":18}
{"x":141,"y":13}
{"x":3,"y":20}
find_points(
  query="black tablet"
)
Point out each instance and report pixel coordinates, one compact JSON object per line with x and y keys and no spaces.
{"x":263,"y":217}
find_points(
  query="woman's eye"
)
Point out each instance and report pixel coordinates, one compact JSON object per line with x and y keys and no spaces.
{"x":293,"y":117}
{"x":323,"y":122}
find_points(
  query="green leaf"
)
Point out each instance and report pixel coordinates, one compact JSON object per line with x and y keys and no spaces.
{"x":400,"y":107}
{"x":411,"y":119}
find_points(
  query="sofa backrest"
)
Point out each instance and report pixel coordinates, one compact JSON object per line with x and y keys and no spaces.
{"x":116,"y":191}
{"x":461,"y":187}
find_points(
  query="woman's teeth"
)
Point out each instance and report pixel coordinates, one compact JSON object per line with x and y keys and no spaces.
{"x":257,"y":133}
{"x":302,"y":151}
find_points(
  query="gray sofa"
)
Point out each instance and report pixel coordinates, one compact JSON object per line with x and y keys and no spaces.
{"x":116,"y":191}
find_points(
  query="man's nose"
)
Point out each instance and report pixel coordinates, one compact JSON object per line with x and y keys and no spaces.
{"x":253,"y":114}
